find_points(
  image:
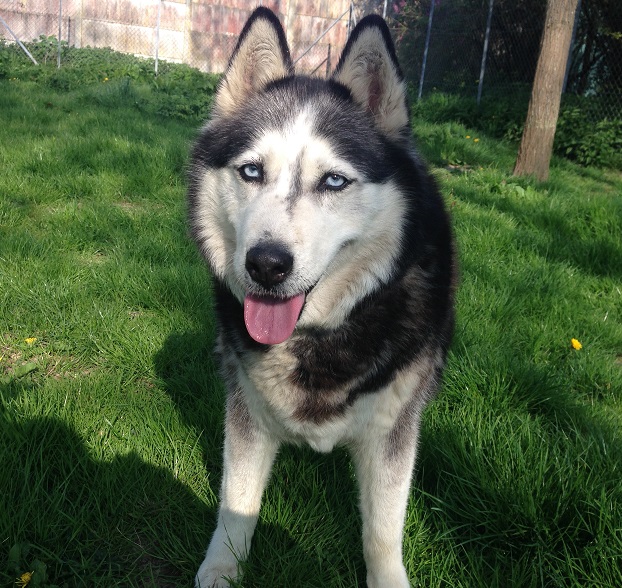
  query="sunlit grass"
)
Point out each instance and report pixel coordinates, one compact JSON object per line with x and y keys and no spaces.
{"x":111,"y":407}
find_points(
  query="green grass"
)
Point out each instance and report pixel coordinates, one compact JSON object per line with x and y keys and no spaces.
{"x":111,"y":409}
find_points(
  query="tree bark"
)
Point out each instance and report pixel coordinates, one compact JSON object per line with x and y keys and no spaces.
{"x":534,"y":153}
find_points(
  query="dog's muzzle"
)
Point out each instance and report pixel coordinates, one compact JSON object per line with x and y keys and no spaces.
{"x":269,"y":264}
{"x":270,"y":317}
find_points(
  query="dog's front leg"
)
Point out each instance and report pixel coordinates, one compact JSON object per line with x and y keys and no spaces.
{"x":384,"y":464}
{"x":248,"y":457}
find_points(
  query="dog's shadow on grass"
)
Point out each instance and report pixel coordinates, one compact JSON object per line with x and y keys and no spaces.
{"x":188,"y":371}
{"x":84,"y":521}
{"x":309,"y":496}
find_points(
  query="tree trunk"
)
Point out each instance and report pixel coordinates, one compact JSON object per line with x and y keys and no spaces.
{"x":534,"y":153}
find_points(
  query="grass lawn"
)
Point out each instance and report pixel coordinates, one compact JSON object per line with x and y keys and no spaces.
{"x":111,"y":408}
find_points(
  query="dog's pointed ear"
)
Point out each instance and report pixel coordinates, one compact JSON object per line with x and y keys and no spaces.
{"x":260,"y":56}
{"x":368,"y":67}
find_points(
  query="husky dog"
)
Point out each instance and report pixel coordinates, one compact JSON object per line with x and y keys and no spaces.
{"x":332,"y":262}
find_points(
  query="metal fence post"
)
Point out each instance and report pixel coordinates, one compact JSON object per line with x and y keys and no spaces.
{"x":21,"y":45}
{"x":157,"y":36}
{"x":425,"y":51}
{"x":322,"y":35}
{"x":482,"y":70}
{"x":350,"y":19}
{"x":60,"y":30}
{"x":577,"y":17}
{"x":328,"y":62}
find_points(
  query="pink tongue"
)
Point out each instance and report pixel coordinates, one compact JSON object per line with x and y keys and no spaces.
{"x":271,"y":320}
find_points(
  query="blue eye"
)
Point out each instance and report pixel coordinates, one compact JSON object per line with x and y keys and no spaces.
{"x":251,"y":172}
{"x":334,"y":182}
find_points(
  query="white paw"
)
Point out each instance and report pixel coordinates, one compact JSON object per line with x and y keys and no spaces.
{"x":388,"y":575}
{"x":216,"y":575}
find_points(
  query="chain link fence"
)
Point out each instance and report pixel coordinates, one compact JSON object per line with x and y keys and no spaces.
{"x":489,"y":48}
{"x":200,"y":33}
{"x":473,"y":48}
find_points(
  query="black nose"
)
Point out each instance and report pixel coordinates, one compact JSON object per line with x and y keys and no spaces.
{"x":269,"y":264}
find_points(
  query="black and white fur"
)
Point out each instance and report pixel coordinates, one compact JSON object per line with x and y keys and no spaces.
{"x":310,"y":188}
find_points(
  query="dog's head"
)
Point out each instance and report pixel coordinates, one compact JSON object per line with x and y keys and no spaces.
{"x":293,"y":197}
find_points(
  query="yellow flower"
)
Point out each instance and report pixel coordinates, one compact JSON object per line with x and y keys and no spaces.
{"x":475,"y":140}
{"x":468,"y":136}
{"x":575,"y":344}
{"x":30,"y":340}
{"x":24,"y":579}
{"x":105,"y":79}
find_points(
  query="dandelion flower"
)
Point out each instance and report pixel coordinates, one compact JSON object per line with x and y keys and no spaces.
{"x":475,"y":140}
{"x":24,"y":579}
{"x":575,"y":344}
{"x":30,"y":340}
{"x":105,"y":79}
{"x":468,"y":136}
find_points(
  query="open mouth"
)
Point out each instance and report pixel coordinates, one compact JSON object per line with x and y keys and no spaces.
{"x":270,"y":320}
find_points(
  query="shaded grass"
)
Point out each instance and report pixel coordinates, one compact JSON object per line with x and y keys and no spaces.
{"x":111,"y":412}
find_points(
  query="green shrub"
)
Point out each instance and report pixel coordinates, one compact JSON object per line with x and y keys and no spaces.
{"x":582,"y":134}
{"x":110,"y":78}
{"x":495,"y":114}
{"x":587,"y":142}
